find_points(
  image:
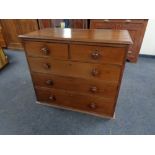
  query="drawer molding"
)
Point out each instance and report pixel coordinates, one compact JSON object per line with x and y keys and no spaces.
{"x":97,"y":54}
{"x":73,"y":100}
{"x":47,"y":50}
{"x":86,"y":86}
{"x":76,"y":110}
{"x":106,"y":72}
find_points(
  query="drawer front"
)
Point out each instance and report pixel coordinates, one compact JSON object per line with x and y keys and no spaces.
{"x":76,"y":69}
{"x":97,"y":54}
{"x":103,"y":25}
{"x":118,"y":20}
{"x":129,"y":25}
{"x":76,"y":101}
{"x":49,"y":50}
{"x":92,"y":87}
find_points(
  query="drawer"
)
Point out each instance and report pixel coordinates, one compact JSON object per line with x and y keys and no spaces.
{"x":97,"y":54}
{"x":120,"y":25}
{"x":49,"y":50}
{"x":88,"y":103}
{"x":76,"y":69}
{"x":117,"y":20}
{"x":92,"y":87}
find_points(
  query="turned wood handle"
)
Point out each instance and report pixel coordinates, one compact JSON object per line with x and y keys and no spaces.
{"x":45,"y":51}
{"x":130,"y":52}
{"x":92,"y":106}
{"x":95,"y":54}
{"x":93,"y":89}
{"x":95,"y":72}
{"x":49,"y":82}
{"x":46,"y":66}
{"x":52,"y":98}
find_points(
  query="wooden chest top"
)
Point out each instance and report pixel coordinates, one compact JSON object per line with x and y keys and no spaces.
{"x":84,"y":35}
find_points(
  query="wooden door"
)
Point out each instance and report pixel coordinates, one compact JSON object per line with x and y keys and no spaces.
{"x":26,"y":25}
{"x":10,"y":33}
{"x":2,"y":40}
{"x":14,"y":27}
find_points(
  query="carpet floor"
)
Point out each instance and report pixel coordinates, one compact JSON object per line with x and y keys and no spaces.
{"x":20,"y":115}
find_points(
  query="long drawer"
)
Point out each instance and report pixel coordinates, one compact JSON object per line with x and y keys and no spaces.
{"x":92,"y":87}
{"x":88,"y":103}
{"x":97,"y":54}
{"x":76,"y":69}
{"x":47,"y":50}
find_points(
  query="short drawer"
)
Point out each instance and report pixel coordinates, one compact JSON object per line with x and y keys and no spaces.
{"x":92,"y":87}
{"x":49,"y":50}
{"x":87,"y":103}
{"x":76,"y":69}
{"x":102,"y":25}
{"x":98,"y":54}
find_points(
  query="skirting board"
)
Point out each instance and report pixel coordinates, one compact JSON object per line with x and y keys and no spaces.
{"x":147,"y":56}
{"x":72,"y":109}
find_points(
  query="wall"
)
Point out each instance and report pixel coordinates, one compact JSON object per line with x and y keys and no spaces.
{"x":148,"y":45}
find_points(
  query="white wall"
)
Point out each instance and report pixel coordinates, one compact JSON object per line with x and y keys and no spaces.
{"x":148,"y":45}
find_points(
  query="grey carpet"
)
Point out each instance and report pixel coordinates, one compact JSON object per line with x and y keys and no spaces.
{"x":19,"y":114}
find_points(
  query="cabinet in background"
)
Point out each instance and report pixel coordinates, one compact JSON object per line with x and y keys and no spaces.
{"x":13,"y":27}
{"x":136,"y":28}
{"x":71,"y":23}
{"x":2,"y":41}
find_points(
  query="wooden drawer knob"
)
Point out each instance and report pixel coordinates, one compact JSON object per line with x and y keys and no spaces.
{"x":95,"y":72}
{"x":93,"y":89}
{"x":46,"y":66}
{"x":95,"y":55}
{"x":52,"y":98}
{"x":92,"y":106}
{"x":45,"y":51}
{"x":49,"y":82}
{"x":130,"y":52}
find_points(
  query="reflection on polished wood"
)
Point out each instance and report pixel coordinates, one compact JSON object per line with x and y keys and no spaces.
{"x":84,"y":35}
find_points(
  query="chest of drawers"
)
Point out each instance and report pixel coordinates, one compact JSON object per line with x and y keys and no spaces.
{"x":77,"y":69}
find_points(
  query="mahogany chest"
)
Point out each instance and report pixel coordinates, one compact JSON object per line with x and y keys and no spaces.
{"x":77,"y":69}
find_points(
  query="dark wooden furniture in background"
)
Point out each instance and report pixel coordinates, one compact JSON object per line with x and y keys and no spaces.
{"x":3,"y":59}
{"x":136,"y":27}
{"x":77,"y":70}
{"x":73,"y":23}
{"x":2,"y":41}
{"x":13,"y":27}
